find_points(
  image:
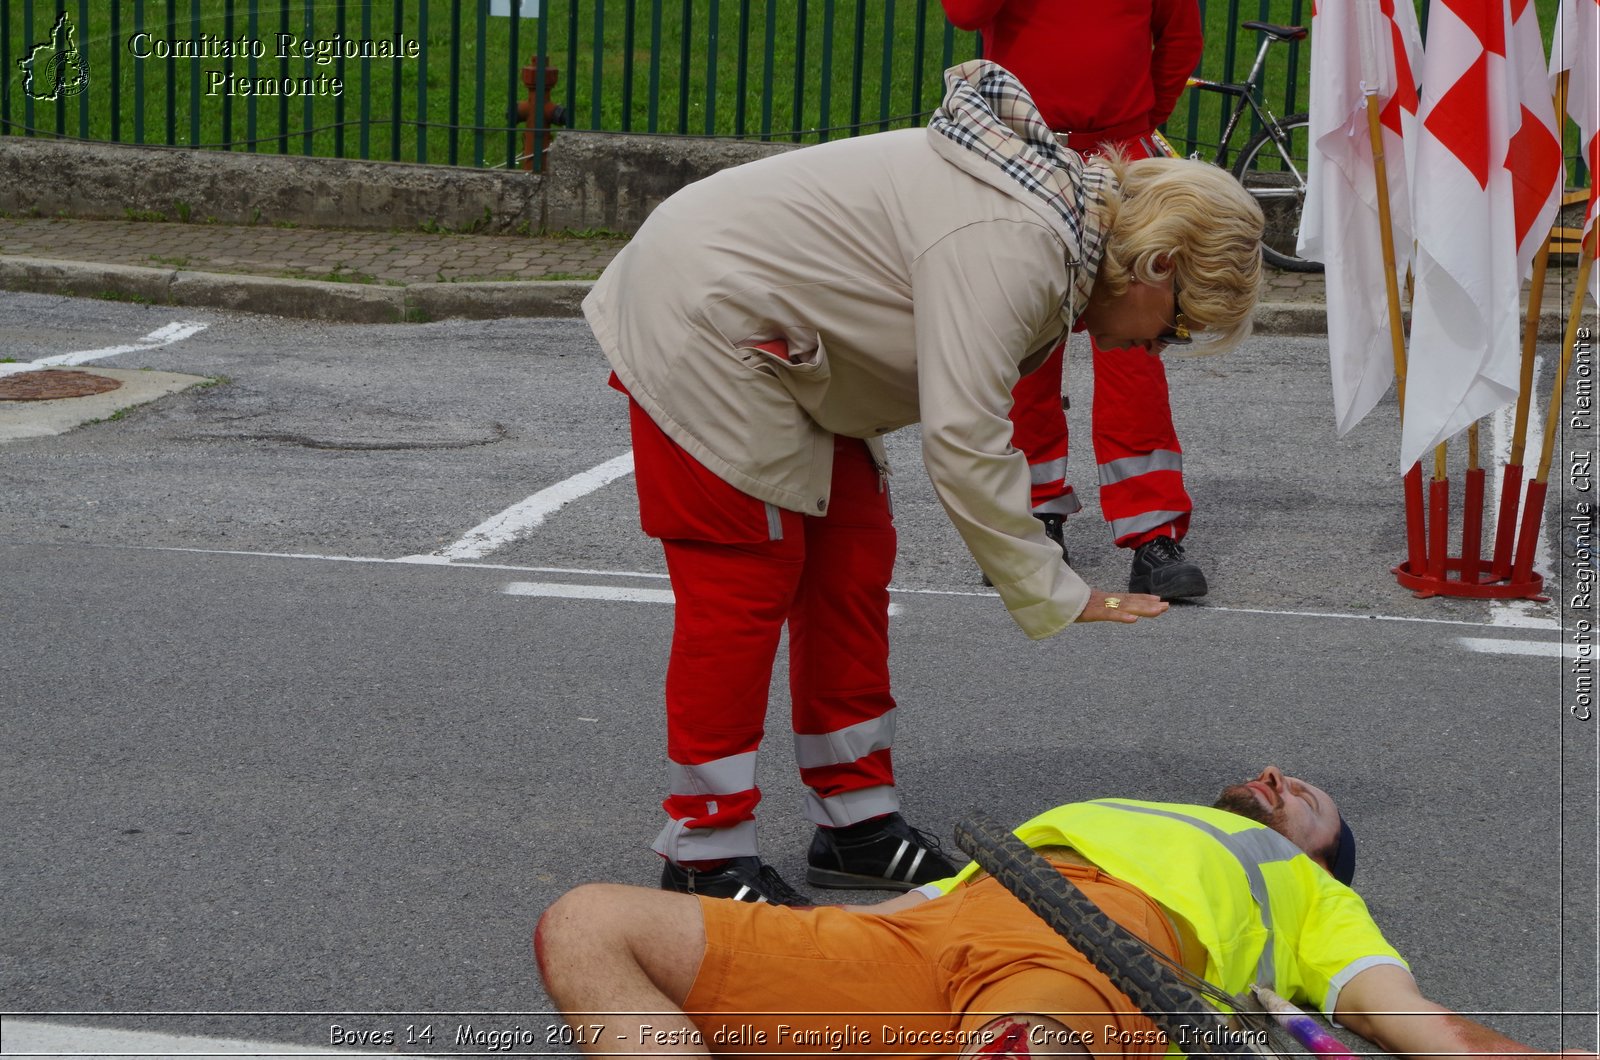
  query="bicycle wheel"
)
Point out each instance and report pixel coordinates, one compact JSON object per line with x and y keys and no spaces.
{"x":1275,"y":173}
{"x":1124,"y":958}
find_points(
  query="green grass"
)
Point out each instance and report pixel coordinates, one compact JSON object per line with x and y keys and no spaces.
{"x":811,"y":70}
{"x":452,"y":103}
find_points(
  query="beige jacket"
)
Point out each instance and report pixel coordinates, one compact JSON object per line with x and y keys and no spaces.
{"x":913,"y":283}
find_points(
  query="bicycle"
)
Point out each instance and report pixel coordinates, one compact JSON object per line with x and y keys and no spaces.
{"x":1272,"y":165}
{"x":1185,"y":1007}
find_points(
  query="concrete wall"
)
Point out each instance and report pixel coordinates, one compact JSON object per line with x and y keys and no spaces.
{"x":590,"y":181}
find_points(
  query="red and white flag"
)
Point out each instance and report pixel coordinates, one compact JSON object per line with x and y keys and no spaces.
{"x":1359,"y":47}
{"x":1482,"y":178}
{"x":1534,"y":157}
{"x":1575,"y":49}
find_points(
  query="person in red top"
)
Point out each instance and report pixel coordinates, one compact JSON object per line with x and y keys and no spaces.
{"x":1105,"y":73}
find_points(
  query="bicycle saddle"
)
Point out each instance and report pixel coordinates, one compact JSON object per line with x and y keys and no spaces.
{"x":1280,"y":32}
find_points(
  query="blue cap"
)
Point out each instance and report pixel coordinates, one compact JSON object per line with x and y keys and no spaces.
{"x":1344,"y":856}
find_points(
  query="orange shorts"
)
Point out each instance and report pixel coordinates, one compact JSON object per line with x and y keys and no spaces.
{"x":916,"y":983}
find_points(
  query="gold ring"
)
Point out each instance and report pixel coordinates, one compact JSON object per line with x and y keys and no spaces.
{"x":1113,"y":602}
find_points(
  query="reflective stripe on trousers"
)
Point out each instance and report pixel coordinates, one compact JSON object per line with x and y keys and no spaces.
{"x":827,"y":578}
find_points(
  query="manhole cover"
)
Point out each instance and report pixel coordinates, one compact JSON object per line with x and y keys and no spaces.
{"x":52,"y":383}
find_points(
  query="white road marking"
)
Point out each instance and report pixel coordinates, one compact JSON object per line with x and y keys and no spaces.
{"x":1343,"y":614}
{"x":589,"y":592}
{"x":1521,"y":614}
{"x":436,"y":561}
{"x":420,"y":561}
{"x":570,"y":591}
{"x":519,"y":519}
{"x":1553,"y":649}
{"x":176,"y":331}
{"x":37,"y":1038}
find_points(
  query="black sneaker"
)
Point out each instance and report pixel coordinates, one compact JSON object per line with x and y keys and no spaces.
{"x":1055,"y":529}
{"x":884,"y":853}
{"x":742,"y":879}
{"x":1160,"y":569}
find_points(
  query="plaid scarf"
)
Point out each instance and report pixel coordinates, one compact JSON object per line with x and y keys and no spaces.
{"x":988,"y":112}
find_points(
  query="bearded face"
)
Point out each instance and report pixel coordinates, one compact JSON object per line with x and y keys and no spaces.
{"x":1241,"y":800}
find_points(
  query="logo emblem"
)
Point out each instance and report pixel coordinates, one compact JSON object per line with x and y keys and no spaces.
{"x":55,"y":68}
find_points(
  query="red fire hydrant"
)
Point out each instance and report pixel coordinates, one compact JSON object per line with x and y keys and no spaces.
{"x":554,"y":113}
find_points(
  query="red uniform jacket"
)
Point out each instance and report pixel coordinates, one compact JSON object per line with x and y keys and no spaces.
{"x":1112,"y":69}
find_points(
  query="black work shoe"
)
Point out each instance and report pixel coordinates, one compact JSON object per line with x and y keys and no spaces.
{"x":742,"y":879}
{"x":1055,"y":529}
{"x":884,"y":853}
{"x":1160,"y":570}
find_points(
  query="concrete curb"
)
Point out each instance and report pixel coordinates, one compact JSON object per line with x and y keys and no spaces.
{"x":1311,"y":318}
{"x":1291,"y":318}
{"x":346,"y":303}
{"x":488,"y":301}
{"x":355,"y":303}
{"x":84,"y":280}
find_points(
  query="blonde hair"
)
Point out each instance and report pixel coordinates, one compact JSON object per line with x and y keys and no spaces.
{"x":1192,"y":218}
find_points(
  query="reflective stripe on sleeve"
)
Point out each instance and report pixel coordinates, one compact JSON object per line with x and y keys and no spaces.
{"x":1350,"y":971}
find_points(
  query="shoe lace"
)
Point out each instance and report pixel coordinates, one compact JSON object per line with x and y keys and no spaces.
{"x":1163,"y":550}
{"x":777,"y":891}
{"x":928,"y":840}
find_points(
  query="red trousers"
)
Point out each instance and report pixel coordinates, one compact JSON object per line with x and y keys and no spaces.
{"x":1136,"y":446}
{"x":742,"y":569}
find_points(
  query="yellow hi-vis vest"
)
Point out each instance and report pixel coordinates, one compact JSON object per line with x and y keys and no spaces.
{"x":1262,"y":909}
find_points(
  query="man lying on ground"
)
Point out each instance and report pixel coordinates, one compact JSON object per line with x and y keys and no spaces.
{"x":1254,"y":889}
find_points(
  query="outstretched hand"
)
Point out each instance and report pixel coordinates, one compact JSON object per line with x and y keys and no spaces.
{"x":1121,"y":607}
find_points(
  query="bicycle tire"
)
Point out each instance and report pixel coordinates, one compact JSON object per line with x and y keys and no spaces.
{"x":1281,"y":194}
{"x":1124,"y":958}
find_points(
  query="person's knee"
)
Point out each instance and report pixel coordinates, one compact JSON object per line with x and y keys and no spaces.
{"x":580,"y":922}
{"x":607,"y":933}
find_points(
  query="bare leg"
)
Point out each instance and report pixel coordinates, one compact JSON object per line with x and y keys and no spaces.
{"x":619,"y":963}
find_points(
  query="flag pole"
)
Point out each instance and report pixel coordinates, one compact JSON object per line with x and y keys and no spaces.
{"x":1438,"y":514}
{"x":1472,"y":511}
{"x":1416,"y":539}
{"x":1533,"y":506}
{"x":1511,"y":483}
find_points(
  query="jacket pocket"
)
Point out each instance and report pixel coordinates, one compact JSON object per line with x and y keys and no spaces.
{"x":783,"y":351}
{"x":795,"y":357}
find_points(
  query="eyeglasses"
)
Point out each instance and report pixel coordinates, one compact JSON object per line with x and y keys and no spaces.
{"x":1178,"y":334}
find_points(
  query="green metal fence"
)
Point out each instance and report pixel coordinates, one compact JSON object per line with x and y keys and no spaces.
{"x":440,"y":80}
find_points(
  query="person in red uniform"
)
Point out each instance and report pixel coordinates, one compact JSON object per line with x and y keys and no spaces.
{"x":1129,"y":61}
{"x":766,"y":355}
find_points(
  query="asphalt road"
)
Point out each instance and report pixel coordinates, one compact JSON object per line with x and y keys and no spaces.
{"x":267,"y":749}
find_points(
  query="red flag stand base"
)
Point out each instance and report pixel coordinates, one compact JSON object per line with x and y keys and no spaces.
{"x":1428,"y":585}
{"x":1428,"y":569}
